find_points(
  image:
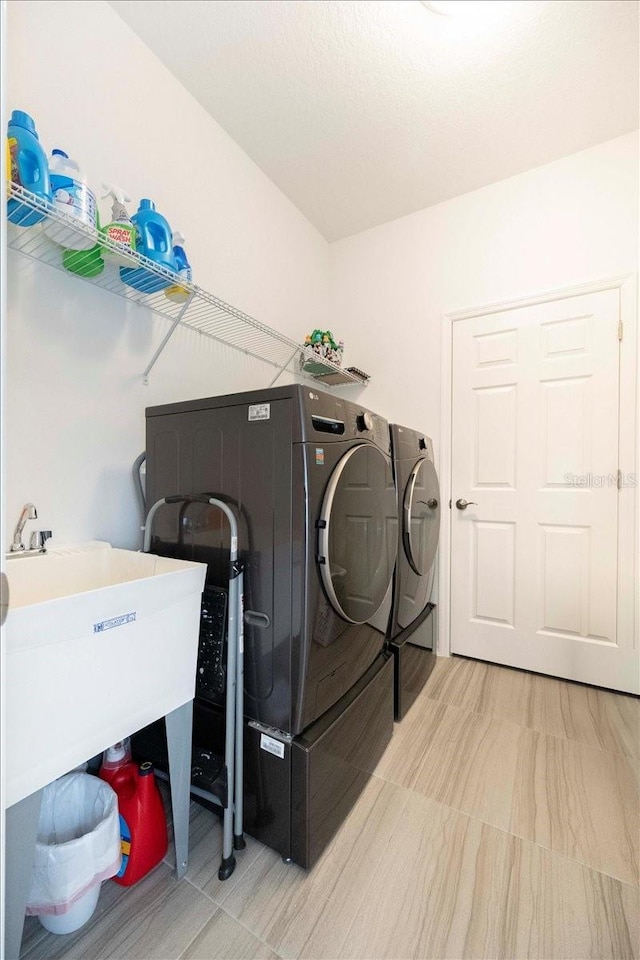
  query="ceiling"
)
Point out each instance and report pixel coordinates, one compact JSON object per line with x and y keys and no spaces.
{"x":362,"y":111}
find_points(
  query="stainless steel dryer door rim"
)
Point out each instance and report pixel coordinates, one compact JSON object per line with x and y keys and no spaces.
{"x":421,"y":552}
{"x":325,"y":564}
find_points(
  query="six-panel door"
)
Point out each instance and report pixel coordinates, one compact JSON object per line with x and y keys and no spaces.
{"x":534,"y":563}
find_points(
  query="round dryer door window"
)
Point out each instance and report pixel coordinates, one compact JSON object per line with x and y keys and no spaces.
{"x":421,"y":519}
{"x":357,"y":533}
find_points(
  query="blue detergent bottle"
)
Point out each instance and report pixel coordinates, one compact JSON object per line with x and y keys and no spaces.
{"x":153,"y":240}
{"x":176,"y":292}
{"x":29,"y":168}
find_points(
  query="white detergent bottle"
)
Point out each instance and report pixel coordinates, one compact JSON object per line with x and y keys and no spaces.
{"x":120,"y":230}
{"x":73,"y":199}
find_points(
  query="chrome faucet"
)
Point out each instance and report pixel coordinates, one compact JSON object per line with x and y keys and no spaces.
{"x":28,"y":512}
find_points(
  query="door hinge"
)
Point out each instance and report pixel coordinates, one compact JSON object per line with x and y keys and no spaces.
{"x":620,"y":329}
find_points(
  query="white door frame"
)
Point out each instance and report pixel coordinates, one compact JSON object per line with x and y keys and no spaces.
{"x":629,"y":538}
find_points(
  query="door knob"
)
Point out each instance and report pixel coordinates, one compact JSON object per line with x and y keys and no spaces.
{"x":432,"y":503}
{"x":463,"y":504}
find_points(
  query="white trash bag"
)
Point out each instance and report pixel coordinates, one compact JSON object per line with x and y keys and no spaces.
{"x":78,"y":843}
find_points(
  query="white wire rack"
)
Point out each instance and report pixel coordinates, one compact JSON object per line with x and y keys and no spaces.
{"x":201,"y":311}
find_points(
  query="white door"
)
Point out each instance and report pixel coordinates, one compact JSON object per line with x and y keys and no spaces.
{"x":535,"y":570}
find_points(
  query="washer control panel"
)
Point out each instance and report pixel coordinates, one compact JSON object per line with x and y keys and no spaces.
{"x":334,"y":416}
{"x":364,"y":421}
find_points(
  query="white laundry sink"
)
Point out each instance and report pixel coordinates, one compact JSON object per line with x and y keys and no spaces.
{"x":99,"y":642}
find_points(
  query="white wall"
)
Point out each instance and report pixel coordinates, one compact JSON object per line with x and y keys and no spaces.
{"x":75,"y":401}
{"x":563,"y":223}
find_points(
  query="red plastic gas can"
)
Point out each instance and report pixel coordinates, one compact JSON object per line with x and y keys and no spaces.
{"x":143,"y":828}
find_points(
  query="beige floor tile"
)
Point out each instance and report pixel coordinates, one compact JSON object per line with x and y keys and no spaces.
{"x":579,"y":801}
{"x":471,"y":765}
{"x":411,"y":740}
{"x":260,"y":900}
{"x":456,"y":681}
{"x":288,"y":908}
{"x":205,"y":852}
{"x":623,"y":712}
{"x":157,"y":918}
{"x":598,"y":718}
{"x":485,"y":688}
{"x":450,"y":886}
{"x":502,"y":693}
{"x":223,"y":938}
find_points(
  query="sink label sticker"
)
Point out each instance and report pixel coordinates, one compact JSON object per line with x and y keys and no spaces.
{"x":114,"y":622}
{"x":260,"y":411}
{"x":272,"y":746}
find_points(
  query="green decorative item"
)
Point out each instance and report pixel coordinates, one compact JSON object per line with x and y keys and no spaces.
{"x":314,"y":366}
{"x":320,"y":346}
{"x":86,"y":263}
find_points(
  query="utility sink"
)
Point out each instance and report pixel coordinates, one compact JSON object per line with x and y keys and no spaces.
{"x":99,"y":642}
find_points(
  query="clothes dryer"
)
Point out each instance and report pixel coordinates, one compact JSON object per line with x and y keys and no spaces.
{"x":418,"y":527}
{"x":310,"y":476}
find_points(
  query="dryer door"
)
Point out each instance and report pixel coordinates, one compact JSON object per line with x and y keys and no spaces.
{"x":421,"y":517}
{"x":356,"y":544}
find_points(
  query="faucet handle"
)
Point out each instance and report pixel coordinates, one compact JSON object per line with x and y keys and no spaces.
{"x":39,"y":539}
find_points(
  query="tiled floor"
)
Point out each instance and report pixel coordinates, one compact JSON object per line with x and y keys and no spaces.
{"x":502,"y":822}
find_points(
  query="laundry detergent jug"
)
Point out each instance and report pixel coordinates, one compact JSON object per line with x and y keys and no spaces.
{"x":72,"y":198}
{"x":153,"y":240}
{"x":28,"y":168}
{"x":143,"y":828}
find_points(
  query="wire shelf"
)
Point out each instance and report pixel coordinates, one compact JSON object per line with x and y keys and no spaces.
{"x":199,"y":310}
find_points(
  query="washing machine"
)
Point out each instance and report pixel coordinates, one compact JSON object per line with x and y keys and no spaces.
{"x":310,"y":476}
{"x":412,"y":621}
